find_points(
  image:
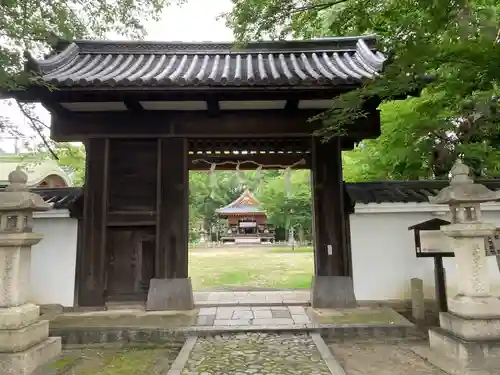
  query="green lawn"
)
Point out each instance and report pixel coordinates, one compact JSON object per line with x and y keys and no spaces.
{"x":255,"y":268}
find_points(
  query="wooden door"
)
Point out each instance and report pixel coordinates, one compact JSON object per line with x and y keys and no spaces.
{"x":130,"y":263}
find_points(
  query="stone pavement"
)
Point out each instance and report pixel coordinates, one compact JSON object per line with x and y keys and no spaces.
{"x":255,"y":298}
{"x":254,"y":353}
{"x":254,"y":317}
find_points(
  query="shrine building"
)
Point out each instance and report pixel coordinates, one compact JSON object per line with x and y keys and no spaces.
{"x":147,"y":112}
{"x":246,"y":221}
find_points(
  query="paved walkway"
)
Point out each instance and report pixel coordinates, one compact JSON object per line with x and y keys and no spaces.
{"x":254,"y":353}
{"x":281,"y":297}
{"x":254,"y":317}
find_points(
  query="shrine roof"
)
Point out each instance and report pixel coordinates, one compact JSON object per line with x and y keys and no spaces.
{"x":316,"y":62}
{"x":245,"y":203}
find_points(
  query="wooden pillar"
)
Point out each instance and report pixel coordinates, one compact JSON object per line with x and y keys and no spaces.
{"x":91,"y":276}
{"x":331,"y":248}
{"x":173,"y":209}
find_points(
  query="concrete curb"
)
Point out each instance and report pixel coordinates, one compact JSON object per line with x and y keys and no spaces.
{"x":183,"y":356}
{"x":333,"y":365}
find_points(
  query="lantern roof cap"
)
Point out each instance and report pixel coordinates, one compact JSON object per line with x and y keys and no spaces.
{"x":17,"y":197}
{"x":463,"y":189}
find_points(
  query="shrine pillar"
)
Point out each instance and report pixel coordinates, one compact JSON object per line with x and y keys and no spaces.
{"x":171,"y":289}
{"x":332,"y":284}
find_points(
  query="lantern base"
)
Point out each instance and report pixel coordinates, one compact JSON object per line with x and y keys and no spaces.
{"x":18,"y":316}
{"x":26,"y":362}
{"x":470,"y":329}
{"x":456,"y":355}
{"x":487,"y":307}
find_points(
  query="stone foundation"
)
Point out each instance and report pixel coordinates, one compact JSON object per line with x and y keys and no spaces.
{"x":328,"y":292}
{"x":170,"y":294}
{"x":24,"y":340}
{"x":469,"y":357}
{"x":26,"y":362}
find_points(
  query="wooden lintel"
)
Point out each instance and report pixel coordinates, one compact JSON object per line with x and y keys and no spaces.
{"x":249,"y":162}
{"x":133,"y":105}
{"x":197,"y":124}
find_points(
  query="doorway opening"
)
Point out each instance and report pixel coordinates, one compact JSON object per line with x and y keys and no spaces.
{"x":250,"y":230}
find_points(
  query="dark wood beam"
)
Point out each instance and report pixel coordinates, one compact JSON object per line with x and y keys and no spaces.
{"x":133,"y":105}
{"x":197,"y":124}
{"x":292,"y":105}
{"x":249,"y":162}
{"x":213,"y":106}
{"x":100,"y":94}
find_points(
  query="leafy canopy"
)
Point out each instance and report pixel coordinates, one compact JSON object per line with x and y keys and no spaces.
{"x":33,"y":25}
{"x":454,"y":41}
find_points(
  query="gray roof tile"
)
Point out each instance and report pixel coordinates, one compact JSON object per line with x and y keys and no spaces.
{"x":315,"y":62}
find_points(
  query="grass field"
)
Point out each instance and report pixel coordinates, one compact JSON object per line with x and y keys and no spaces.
{"x":254,"y":268}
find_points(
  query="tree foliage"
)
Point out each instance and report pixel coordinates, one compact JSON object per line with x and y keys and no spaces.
{"x":456,"y":42}
{"x":35,"y":25}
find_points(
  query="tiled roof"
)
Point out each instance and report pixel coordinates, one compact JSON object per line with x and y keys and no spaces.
{"x":402,"y":191}
{"x":243,"y":209}
{"x":61,"y":197}
{"x":326,"y":61}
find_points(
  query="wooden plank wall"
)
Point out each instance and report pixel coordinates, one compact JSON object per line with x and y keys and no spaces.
{"x":135,"y":217}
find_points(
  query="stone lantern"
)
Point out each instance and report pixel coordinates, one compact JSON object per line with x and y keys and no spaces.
{"x":468,"y":339}
{"x":467,"y":233}
{"x":24,"y":341}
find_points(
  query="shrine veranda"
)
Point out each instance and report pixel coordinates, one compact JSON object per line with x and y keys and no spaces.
{"x":148,"y":112}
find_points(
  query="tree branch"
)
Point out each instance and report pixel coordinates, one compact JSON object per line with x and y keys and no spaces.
{"x":35,"y":122}
{"x":318,"y":7}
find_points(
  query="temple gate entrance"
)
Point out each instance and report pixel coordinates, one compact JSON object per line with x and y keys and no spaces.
{"x":146,"y":111}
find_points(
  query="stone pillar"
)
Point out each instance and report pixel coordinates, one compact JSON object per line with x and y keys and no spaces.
{"x":469,"y":334}
{"x":24,"y":340}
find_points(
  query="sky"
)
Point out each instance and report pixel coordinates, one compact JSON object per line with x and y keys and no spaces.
{"x":195,"y":21}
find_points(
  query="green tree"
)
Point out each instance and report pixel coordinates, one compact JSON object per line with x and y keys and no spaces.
{"x":35,"y":25}
{"x":70,"y":157}
{"x":456,"y":42}
{"x":288,"y":205}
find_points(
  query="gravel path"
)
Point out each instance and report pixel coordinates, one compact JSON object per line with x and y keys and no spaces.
{"x":380,"y":358}
{"x":256,"y":353}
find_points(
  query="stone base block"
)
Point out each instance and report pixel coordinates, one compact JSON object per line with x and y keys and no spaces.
{"x":475,"y":307}
{"x":170,"y":294}
{"x":470,"y":329}
{"x":469,"y":355}
{"x":329,"y":292}
{"x":26,"y":362}
{"x":19,"y":316}
{"x":17,"y":340}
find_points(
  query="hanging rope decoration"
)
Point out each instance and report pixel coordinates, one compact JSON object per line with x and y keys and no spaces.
{"x":213,"y":180}
{"x":258,"y":174}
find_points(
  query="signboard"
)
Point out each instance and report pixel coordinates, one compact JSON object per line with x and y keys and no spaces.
{"x":247,"y":224}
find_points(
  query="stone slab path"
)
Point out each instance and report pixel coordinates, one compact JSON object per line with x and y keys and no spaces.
{"x":253,"y":317}
{"x":255,"y":353}
{"x":280,"y":297}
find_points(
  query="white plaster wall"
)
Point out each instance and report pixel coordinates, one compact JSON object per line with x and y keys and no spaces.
{"x":53,"y":260}
{"x":383,"y":252}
